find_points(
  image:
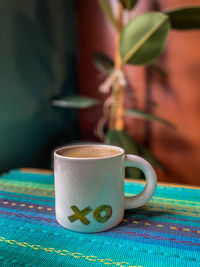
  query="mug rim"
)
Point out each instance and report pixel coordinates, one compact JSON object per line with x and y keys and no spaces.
{"x":121,"y":152}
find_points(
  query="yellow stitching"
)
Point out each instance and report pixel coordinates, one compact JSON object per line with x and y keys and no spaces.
{"x":120,"y":264}
{"x":186,"y":229}
{"x":37,"y":247}
{"x":63,"y":254}
{"x":24,"y":205}
{"x":19,"y":243}
{"x":90,"y":258}
{"x":57,"y":251}
{"x":171,"y":227}
{"x":49,"y":249}
{"x":34,"y":247}
{"x":75,"y":255}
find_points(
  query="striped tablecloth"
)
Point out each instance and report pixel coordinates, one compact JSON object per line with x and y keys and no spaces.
{"x":165,"y":232}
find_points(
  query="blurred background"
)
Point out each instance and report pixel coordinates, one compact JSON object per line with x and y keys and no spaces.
{"x":47,"y":51}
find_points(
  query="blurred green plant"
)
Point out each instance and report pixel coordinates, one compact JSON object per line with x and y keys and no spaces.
{"x":140,"y":42}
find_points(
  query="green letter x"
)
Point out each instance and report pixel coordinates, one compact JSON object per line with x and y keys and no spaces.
{"x":80,"y":215}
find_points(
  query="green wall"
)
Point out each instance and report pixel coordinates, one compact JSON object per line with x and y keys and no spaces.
{"x":37,"y":63}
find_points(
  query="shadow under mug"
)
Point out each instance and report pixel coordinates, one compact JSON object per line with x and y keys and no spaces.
{"x":89,"y":192}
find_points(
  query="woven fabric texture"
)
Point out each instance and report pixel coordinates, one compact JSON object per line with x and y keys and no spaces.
{"x":165,"y":232}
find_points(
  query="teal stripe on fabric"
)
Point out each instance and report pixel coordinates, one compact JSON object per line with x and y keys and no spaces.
{"x":183,"y":193}
{"x":17,"y":175}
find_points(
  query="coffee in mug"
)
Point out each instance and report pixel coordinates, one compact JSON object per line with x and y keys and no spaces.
{"x":89,"y":152}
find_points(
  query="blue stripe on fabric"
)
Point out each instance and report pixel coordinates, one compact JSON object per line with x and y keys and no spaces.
{"x":158,"y":239}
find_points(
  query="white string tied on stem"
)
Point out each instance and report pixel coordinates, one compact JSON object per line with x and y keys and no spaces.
{"x":117,"y":76}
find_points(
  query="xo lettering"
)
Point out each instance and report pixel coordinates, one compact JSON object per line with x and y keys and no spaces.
{"x":101,"y":214}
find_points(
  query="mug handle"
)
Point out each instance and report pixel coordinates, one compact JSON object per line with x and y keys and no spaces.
{"x":151,"y":181}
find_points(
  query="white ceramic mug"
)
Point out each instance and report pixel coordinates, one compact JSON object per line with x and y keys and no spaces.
{"x":89,"y":192}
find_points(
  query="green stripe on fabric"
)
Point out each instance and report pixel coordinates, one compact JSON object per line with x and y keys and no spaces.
{"x":26,"y":184}
{"x":171,"y":201}
{"x":27,"y":190}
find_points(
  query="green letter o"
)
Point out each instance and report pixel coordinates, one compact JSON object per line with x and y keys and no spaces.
{"x":97,"y":213}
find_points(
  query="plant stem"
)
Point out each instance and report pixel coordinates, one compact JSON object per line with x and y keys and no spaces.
{"x":116,"y":113}
{"x":117,"y":36}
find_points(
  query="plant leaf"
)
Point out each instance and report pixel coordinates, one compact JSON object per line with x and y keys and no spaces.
{"x":158,"y":69}
{"x":103,"y":62}
{"x":144,"y":115}
{"x":143,"y":38}
{"x":150,"y":157}
{"x":75,"y":102}
{"x":184,"y":18}
{"x":128,"y":4}
{"x":118,"y":138}
{"x":123,"y":140}
{"x":43,"y":15}
{"x":106,"y":8}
